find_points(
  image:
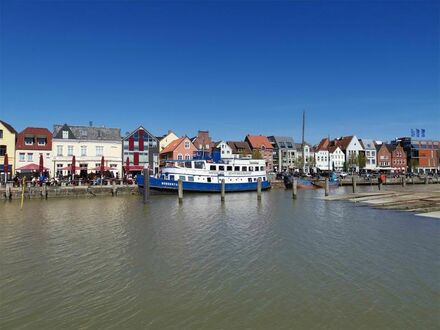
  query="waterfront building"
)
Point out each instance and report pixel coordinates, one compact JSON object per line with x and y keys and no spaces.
{"x":88,"y":144}
{"x":225,"y":150}
{"x":322,"y":161}
{"x":261,"y":144}
{"x":8,"y":138}
{"x":240,"y":149}
{"x":398,"y":157}
{"x":309,"y":155}
{"x":421,"y":155}
{"x":337,"y":158}
{"x":351,"y":147}
{"x":179,"y":149}
{"x":31,"y":143}
{"x":140,"y":147}
{"x":284,"y":152}
{"x":369,"y":147}
{"x":167,"y":139}
{"x":203,"y":143}
{"x":383,"y":157}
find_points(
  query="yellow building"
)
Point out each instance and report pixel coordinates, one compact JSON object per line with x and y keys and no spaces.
{"x":8,"y":136}
{"x":167,"y":139}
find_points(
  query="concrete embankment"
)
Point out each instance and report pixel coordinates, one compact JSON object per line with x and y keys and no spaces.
{"x":422,"y":199}
{"x":67,"y":191}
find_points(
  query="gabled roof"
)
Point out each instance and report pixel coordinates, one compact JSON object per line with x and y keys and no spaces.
{"x":332,"y":149}
{"x":368,"y":144}
{"x":173,"y":145}
{"x":258,"y":141}
{"x":239,"y":146}
{"x":9,"y":127}
{"x":87,"y":132}
{"x":145,"y":132}
{"x":343,"y":142}
{"x":323,"y":145}
{"x":282,"y":142}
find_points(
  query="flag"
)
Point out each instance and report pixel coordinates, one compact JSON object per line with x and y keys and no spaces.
{"x":417,"y":132}
{"x":413,"y":134}
{"x":422,"y":132}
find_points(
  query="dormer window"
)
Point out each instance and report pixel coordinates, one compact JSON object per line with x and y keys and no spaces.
{"x":29,"y":140}
{"x":186,"y":144}
{"x":65,"y":134}
{"x":41,"y":141}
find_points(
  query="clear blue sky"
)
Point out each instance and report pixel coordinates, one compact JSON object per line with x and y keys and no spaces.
{"x":365,"y":68}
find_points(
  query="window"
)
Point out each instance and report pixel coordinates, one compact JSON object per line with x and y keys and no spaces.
{"x":1,"y":134}
{"x":65,"y":134}
{"x":182,"y":177}
{"x":41,"y":141}
{"x":187,"y":156}
{"x":47,"y":155}
{"x":172,"y":177}
{"x":191,"y":179}
{"x":179,"y":156}
{"x":59,"y":150}
{"x":221,"y":168}
{"x":69,"y":150}
{"x":2,"y":150}
{"x":209,"y":179}
{"x":237,"y":168}
{"x":251,"y":168}
{"x":186,"y":144}
{"x":228,"y":168}
{"x":212,"y":168}
{"x":200,"y":165}
{"x":188,"y":164}
{"x":83,"y":150}
{"x":21,"y":156}
{"x":99,"y":150}
{"x":30,"y":157}
{"x":249,"y":179}
{"x":29,"y":140}
{"x":244,"y":168}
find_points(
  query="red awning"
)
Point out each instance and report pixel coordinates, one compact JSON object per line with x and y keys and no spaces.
{"x":31,"y":167}
{"x":133,"y":168}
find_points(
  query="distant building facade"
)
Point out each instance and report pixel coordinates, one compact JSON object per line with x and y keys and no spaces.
{"x":369,"y":147}
{"x":8,"y":138}
{"x":88,"y":144}
{"x":140,"y":147}
{"x":261,"y":144}
{"x":383,"y":157}
{"x":31,"y":143}
{"x":422,"y":155}
{"x":167,"y":139}
{"x":240,"y":149}
{"x":225,"y":150}
{"x":179,"y":149}
{"x":284,"y":152}
{"x":203,"y":143}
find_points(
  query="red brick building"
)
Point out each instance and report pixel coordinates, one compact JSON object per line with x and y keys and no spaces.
{"x":383,"y":157}
{"x":31,"y":143}
{"x":203,"y":142}
{"x":398,"y":157}
{"x":262,"y":144}
{"x":179,"y":149}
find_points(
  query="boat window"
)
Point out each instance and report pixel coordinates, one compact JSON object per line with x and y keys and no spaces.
{"x":251,"y":168}
{"x":262,"y":168}
{"x":182,"y":177}
{"x":191,"y":178}
{"x":255,"y":179}
{"x":172,"y":177}
{"x":188,"y":164}
{"x":249,"y":179}
{"x":199,"y":165}
{"x":264,"y":178}
{"x":237,"y":168}
{"x":212,"y":168}
{"x":228,"y":168}
{"x":209,"y":179}
{"x":221,"y":168}
{"x":180,"y":164}
{"x":244,"y":168}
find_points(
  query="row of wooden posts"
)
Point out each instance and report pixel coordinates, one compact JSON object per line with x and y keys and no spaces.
{"x":294,"y":187}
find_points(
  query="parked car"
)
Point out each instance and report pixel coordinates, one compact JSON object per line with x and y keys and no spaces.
{"x":342,"y":174}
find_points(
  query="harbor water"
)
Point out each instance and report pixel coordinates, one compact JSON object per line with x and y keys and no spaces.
{"x":278,"y":263}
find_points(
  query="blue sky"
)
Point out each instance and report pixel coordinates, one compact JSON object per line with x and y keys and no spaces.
{"x":368,"y":68}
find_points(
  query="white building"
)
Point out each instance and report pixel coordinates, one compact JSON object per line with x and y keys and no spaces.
{"x":370,"y":153}
{"x":337,"y":158}
{"x":225,"y":150}
{"x":88,"y":145}
{"x":351,"y":147}
{"x":167,"y":139}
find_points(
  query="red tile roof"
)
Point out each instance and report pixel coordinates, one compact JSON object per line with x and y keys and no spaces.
{"x":173,"y":145}
{"x":258,"y":141}
{"x":35,"y":132}
{"x":323,"y":145}
{"x":343,"y":142}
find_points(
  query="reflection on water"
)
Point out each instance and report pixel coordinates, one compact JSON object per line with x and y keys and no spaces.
{"x":276,"y":264}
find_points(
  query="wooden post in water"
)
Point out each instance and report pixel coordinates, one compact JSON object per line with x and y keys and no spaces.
{"x":8,"y":191}
{"x":259,"y":188}
{"x":412,"y":180}
{"x":353,"y":181}
{"x":403,"y":181}
{"x":326,"y":188}
{"x":180,"y":190}
{"x":114,"y":189}
{"x":294,"y":188}
{"x":223,"y":191}
{"x":146,"y":185}
{"x":426,"y":180}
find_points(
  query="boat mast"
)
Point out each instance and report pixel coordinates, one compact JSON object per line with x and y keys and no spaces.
{"x":328,"y":150}
{"x":303,"y":144}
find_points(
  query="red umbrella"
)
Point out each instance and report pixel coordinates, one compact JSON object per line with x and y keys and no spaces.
{"x":31,"y":167}
{"x":102,"y":166}
{"x":6,"y":167}
{"x":73,"y":164}
{"x":41,"y":167}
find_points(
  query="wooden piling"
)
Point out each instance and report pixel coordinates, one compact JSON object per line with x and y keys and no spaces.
{"x":259,"y":188}
{"x":114,"y":189}
{"x":223,"y":190}
{"x":294,"y":188}
{"x":353,"y":181}
{"x":180,"y":190}
{"x":326,"y":188}
{"x":146,"y":185}
{"x":403,"y":182}
{"x":426,"y":180}
{"x":8,"y":191}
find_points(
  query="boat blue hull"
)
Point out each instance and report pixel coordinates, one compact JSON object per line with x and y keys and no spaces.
{"x":161,"y":184}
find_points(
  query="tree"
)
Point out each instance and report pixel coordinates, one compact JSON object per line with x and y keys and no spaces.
{"x":362,"y":160}
{"x":311,"y":161}
{"x":353,"y":161}
{"x":413,"y":164}
{"x":345,"y":167}
{"x":300,"y":162}
{"x":256,"y":154}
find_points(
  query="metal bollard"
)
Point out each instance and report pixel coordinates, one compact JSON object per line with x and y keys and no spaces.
{"x":223,"y":190}
{"x":180,"y":190}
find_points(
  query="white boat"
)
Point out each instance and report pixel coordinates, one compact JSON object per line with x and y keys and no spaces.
{"x":203,"y":175}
